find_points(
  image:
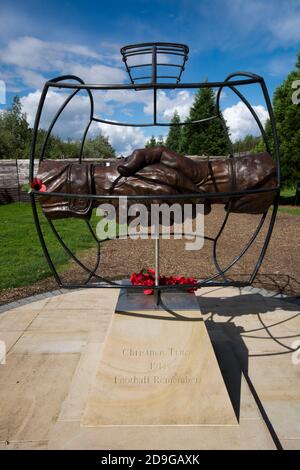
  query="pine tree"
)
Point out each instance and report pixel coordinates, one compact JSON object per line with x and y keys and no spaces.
{"x":174,"y":136}
{"x":206,"y":138}
{"x":160,"y":140}
{"x":248,"y":144}
{"x":287,"y":117}
{"x":151,"y":142}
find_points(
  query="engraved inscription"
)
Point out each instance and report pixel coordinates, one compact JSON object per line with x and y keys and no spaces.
{"x":159,"y":361}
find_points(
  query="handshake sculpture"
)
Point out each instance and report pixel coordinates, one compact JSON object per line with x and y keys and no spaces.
{"x":155,"y":172}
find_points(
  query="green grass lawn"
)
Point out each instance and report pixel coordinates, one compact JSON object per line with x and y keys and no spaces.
{"x":21,"y":256}
{"x":293,"y":210}
{"x":287,"y":199}
{"x":287,"y":192}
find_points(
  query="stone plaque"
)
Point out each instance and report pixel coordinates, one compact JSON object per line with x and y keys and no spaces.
{"x":158,"y":369}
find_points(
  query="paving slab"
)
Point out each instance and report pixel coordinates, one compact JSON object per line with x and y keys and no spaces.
{"x":291,"y":444}
{"x":71,"y":320}
{"x":250,"y":434}
{"x":43,"y":342}
{"x":54,"y":344}
{"x":17,"y":319}
{"x":9,"y":338}
{"x":32,"y":387}
{"x":75,"y":402}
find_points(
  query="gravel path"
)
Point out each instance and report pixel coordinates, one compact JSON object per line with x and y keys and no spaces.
{"x":280,"y":271}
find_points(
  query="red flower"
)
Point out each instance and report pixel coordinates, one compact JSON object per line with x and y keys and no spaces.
{"x":148,"y":291}
{"x":151,"y":271}
{"x":146,"y":277}
{"x":148,"y":282}
{"x":38,"y":185}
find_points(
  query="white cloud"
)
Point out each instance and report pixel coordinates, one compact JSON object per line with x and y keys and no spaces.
{"x":72,"y":120}
{"x":37,"y":54}
{"x":287,"y":28}
{"x":168,"y":104}
{"x":35,"y":60}
{"x":241,"y":122}
{"x":147,"y":59}
{"x":124,"y":139}
{"x":75,"y":117}
{"x":31,"y":78}
{"x":32,"y":61}
{"x":128,"y":97}
{"x":96,"y":73}
{"x":266,"y":24}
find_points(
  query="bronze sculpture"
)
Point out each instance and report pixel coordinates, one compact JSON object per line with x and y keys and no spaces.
{"x":159,"y":171}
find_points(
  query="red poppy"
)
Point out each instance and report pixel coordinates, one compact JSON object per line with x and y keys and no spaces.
{"x":148,"y":291}
{"x":146,"y":277}
{"x":148,"y":282}
{"x":151,"y":271}
{"x":38,"y":185}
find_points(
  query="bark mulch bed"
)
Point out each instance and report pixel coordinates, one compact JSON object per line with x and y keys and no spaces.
{"x":280,"y":271}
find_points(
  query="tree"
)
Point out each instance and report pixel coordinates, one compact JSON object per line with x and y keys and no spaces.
{"x":287,"y":117}
{"x":173,"y":141}
{"x":98,"y":147}
{"x":248,"y":144}
{"x":15,"y":139}
{"x":151,"y":142}
{"x":15,"y":134}
{"x":160,"y":140}
{"x":206,"y":138}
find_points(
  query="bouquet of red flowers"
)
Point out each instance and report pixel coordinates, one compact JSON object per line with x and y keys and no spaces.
{"x":146,"y":277}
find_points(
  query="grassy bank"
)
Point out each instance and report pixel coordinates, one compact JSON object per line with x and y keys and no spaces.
{"x":22,"y":259}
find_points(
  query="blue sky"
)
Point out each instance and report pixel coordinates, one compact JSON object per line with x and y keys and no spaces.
{"x":39,"y":41}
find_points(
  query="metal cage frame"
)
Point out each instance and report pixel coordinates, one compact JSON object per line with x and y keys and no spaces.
{"x":155,"y":50}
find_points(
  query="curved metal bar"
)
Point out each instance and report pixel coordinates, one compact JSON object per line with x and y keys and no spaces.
{"x":83,"y":139}
{"x":98,"y":259}
{"x":93,"y":272}
{"x":273,"y":126}
{"x":250,"y":108}
{"x":73,"y":256}
{"x":225,"y":129}
{"x":88,"y":125}
{"x":42,"y":241}
{"x":241,"y":73}
{"x":35,"y":131}
{"x":58,"y":80}
{"x":158,"y":197}
{"x":137,"y":66}
{"x":215,"y":244}
{"x":92,"y":231}
{"x":267,"y":239}
{"x":244,"y":250}
{"x":53,"y":122}
{"x":151,"y":124}
{"x":149,"y":86}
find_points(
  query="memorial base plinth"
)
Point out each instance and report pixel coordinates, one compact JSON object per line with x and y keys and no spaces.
{"x":158,"y":367}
